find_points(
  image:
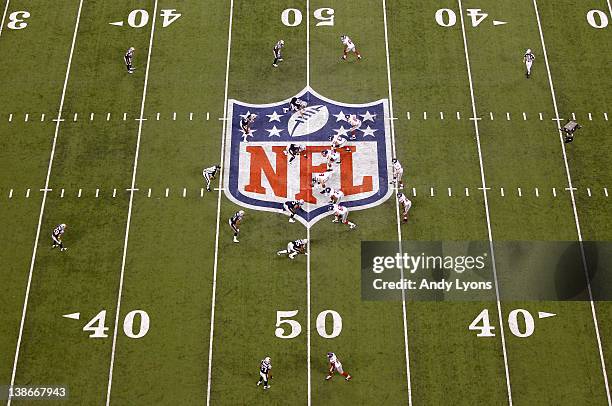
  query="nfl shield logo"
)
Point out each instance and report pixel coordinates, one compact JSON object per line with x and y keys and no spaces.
{"x":258,"y":172}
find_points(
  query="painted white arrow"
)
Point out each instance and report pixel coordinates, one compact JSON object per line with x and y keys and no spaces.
{"x":118,"y":23}
{"x":73,"y":316}
{"x":495,"y":22}
{"x":543,"y":315}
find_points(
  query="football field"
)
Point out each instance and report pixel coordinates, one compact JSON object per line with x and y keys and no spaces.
{"x":154,"y":304}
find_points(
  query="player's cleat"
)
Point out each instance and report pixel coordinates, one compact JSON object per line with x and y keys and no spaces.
{"x":352,"y":226}
{"x":53,"y":246}
{"x":275,"y":65}
{"x":280,"y":59}
{"x":266,"y":386}
{"x":258,"y":383}
{"x":343,"y":57}
{"x":279,"y":253}
{"x":291,"y":220}
{"x":334,"y":220}
{"x":348,"y":378}
{"x":236,"y":240}
{"x":358,"y":56}
{"x":63,"y":249}
{"x":328,"y":377}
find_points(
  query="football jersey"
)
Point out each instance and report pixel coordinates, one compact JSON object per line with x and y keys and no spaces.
{"x":334,"y":360}
{"x":405,"y":201}
{"x":211,"y":171}
{"x":129,"y":55}
{"x":297,"y":104}
{"x":529,"y":57}
{"x":340,"y":210}
{"x":236,"y":218}
{"x":354,"y":121}
{"x":59,"y":230}
{"x":265,"y":366}
{"x":397,"y":167}
{"x":278,"y":46}
{"x":347,"y":41}
{"x":293,"y":204}
{"x":298,"y":245}
{"x":322,"y":177}
{"x":294,"y":149}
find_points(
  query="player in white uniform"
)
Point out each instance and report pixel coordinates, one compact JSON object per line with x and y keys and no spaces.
{"x":355,"y":123}
{"x":336,"y":366}
{"x":334,"y":195}
{"x":349,"y":46}
{"x":56,"y":237}
{"x":295,"y":248}
{"x":338,"y":141}
{"x":333,"y":157}
{"x":405,"y":205}
{"x":528,"y":59}
{"x":265,"y":372}
{"x":234,"y":223}
{"x":321,"y":178}
{"x":341,"y":216}
{"x":209,"y":174}
{"x":398,"y":172}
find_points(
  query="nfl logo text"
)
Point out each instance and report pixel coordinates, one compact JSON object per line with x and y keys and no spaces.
{"x":260,"y":175}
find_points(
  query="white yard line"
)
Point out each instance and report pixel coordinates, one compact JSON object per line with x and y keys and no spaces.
{"x":486,"y":202}
{"x":609,"y":8}
{"x":130,"y":206}
{"x":44,"y":198}
{"x":308,"y":304}
{"x":221,"y":162}
{"x":575,"y":210}
{"x":4,"y":16}
{"x":399,"y":229}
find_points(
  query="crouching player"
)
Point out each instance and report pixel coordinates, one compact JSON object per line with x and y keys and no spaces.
{"x":295,"y":248}
{"x":336,"y":366}
{"x":321,"y":178}
{"x":234,"y":223}
{"x":265,"y":372}
{"x":334,"y":195}
{"x":341,"y":215}
{"x":293,"y":150}
{"x":292,"y":206}
{"x":405,"y":205}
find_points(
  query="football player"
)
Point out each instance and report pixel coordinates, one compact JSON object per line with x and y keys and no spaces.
{"x":398,"y":171}
{"x":338,"y":141}
{"x":209,"y":174}
{"x":265,"y":372}
{"x":528,"y":59}
{"x":405,"y":205}
{"x":333,"y":157}
{"x":277,"y":53}
{"x":293,"y":150}
{"x":334,"y":195}
{"x":56,"y":237}
{"x":321,"y":178}
{"x":234,"y":223}
{"x":349,"y":46}
{"x":335,"y":366}
{"x":295,"y":248}
{"x":292,"y":206}
{"x":297,"y":105}
{"x":245,"y":125}
{"x":341,"y":215}
{"x":129,"y":55}
{"x":355,"y":123}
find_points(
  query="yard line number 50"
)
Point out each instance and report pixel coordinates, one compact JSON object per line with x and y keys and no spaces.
{"x":292,"y":17}
{"x":283,"y":317}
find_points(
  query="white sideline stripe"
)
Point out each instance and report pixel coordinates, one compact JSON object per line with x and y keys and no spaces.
{"x":4,"y":16}
{"x":397,"y":211}
{"x":578,"y":229}
{"x":44,"y":198}
{"x":486,"y":202}
{"x":130,"y":205}
{"x":216,"y":260}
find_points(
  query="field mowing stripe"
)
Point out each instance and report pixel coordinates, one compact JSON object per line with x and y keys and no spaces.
{"x":44,"y":198}
{"x":575,"y":210}
{"x":397,"y":214}
{"x":221,"y":162}
{"x":130,"y":206}
{"x":486,"y":203}
{"x":4,"y":16}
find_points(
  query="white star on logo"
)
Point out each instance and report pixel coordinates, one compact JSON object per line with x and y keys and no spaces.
{"x":368,"y":131}
{"x":248,"y":113}
{"x":274,"y":131}
{"x":340,"y":116}
{"x":342,"y":131}
{"x":368,"y":116}
{"x":274,"y":116}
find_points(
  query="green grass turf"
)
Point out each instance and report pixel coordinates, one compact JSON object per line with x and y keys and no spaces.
{"x":171,"y":251}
